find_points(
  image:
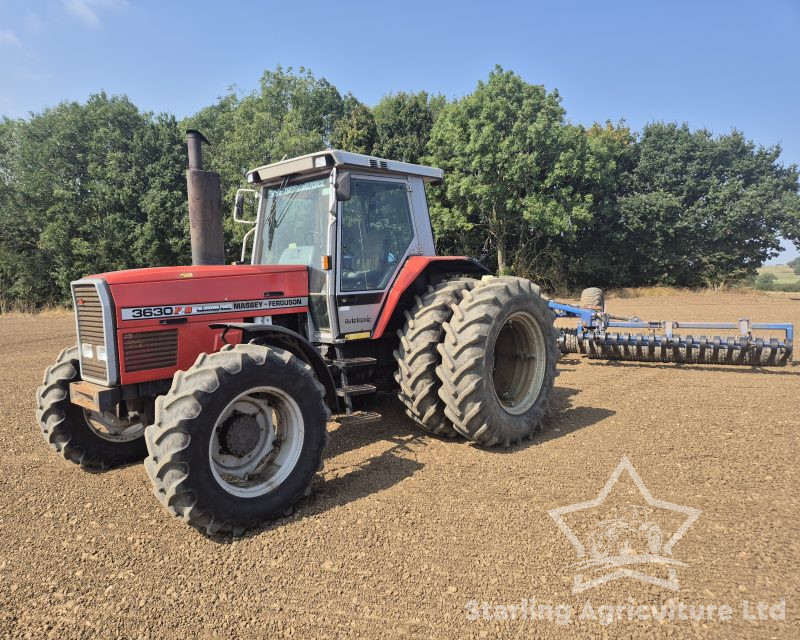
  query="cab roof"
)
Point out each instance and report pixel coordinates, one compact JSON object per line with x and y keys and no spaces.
{"x":328,"y":158}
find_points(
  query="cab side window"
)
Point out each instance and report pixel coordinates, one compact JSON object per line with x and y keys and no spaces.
{"x":376,"y":232}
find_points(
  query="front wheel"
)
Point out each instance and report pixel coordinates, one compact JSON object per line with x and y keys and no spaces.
{"x":238,"y":438}
{"x":94,"y":440}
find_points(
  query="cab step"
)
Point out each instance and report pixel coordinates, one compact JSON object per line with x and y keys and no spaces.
{"x":351,"y":363}
{"x":357,"y":417}
{"x":355,"y":390}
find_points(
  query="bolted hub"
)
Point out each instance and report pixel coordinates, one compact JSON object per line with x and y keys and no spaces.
{"x":239,"y":435}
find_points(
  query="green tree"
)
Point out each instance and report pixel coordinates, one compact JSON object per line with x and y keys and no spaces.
{"x":515,"y":171}
{"x":706,"y":210}
{"x":84,"y":188}
{"x":404,"y":122}
{"x":163,"y":238}
{"x":290,"y":114}
{"x":99,"y":186}
{"x":598,"y":253}
{"x":20,"y":278}
{"x":764,"y":281}
{"x":795,"y":265}
{"x":356,"y":130}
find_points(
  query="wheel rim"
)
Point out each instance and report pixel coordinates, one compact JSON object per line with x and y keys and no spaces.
{"x":520,"y":356}
{"x":256,"y":441}
{"x":108,"y":426}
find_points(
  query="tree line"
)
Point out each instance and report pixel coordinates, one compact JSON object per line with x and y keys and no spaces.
{"x":99,"y":186}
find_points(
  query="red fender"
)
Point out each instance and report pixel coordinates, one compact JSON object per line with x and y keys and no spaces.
{"x":418,"y":267}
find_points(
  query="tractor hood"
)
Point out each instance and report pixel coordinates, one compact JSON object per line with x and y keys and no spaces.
{"x":145,"y":324}
{"x":166,"y":274}
{"x":205,"y":294}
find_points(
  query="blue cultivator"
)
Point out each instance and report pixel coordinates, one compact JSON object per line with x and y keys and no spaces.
{"x":605,"y":336}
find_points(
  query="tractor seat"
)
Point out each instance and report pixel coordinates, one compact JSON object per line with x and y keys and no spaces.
{"x":369,"y":268}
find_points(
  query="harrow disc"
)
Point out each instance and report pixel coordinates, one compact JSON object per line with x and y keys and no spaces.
{"x":658,"y":341}
{"x":741,"y":351}
{"x":568,"y":341}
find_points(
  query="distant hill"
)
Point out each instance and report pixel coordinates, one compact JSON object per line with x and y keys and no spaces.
{"x":778,"y":277}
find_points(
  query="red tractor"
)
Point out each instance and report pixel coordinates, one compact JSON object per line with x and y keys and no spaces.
{"x":224,"y":376}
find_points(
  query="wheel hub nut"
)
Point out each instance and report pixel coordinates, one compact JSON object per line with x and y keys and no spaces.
{"x":239,"y":435}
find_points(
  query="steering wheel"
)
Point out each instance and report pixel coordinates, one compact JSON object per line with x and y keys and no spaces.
{"x":394,"y":242}
{"x":311,"y":237}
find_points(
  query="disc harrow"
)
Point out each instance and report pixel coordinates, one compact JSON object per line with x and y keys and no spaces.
{"x":600,"y":335}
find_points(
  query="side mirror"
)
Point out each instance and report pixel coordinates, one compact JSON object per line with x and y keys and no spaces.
{"x":238,"y":206}
{"x":343,"y":186}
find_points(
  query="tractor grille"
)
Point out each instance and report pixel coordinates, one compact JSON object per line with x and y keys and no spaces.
{"x":150,"y":350}
{"x":91,"y":332}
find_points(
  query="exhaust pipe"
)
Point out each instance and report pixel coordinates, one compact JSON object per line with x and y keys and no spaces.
{"x":205,"y":205}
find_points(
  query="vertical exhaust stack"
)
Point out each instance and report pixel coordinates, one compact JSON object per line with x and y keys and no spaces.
{"x":205,"y":205}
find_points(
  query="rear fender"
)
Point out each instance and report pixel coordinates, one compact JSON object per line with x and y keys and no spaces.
{"x":417,"y":273}
{"x":283,"y":338}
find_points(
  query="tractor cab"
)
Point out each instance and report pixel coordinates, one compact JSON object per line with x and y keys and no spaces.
{"x":352,"y":219}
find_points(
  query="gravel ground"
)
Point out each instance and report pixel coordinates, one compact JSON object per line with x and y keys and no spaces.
{"x":404,"y":530}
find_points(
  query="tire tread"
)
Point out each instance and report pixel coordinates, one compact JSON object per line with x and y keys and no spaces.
{"x":463,"y":351}
{"x":171,"y":433}
{"x":417,"y":355}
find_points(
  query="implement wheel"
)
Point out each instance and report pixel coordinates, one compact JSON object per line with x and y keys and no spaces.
{"x":238,"y":438}
{"x":593,"y":298}
{"x":498,"y":361}
{"x":93,"y":440}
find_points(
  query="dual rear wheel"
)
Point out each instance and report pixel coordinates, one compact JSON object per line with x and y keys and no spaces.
{"x":494,"y":363}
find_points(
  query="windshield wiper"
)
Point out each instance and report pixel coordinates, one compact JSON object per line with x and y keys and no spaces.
{"x":272,"y":220}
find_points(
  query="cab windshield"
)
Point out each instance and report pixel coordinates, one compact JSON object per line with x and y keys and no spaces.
{"x":294,"y":230}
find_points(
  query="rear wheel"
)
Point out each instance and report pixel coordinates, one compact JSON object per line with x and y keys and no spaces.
{"x":498,"y":361}
{"x":417,"y":357}
{"x":94,"y":440}
{"x":238,"y":438}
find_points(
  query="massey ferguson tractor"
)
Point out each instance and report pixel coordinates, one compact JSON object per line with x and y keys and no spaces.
{"x":224,"y":376}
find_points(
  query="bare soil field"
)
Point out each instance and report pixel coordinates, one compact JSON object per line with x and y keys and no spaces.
{"x":408,"y":535}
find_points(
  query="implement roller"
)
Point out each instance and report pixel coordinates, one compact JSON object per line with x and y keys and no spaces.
{"x":604,"y":336}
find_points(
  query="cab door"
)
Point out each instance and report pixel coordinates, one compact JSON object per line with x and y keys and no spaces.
{"x":376,"y":233}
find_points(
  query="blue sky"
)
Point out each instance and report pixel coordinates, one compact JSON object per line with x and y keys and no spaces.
{"x":714,"y":64}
